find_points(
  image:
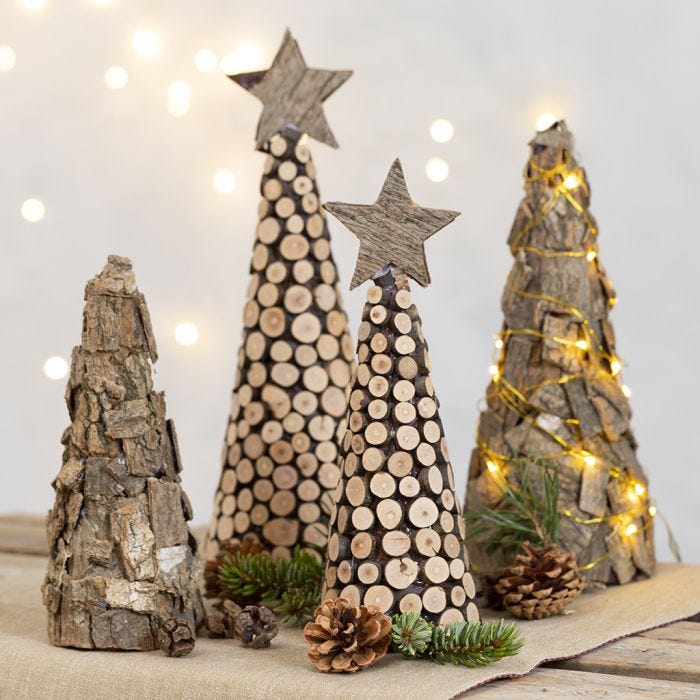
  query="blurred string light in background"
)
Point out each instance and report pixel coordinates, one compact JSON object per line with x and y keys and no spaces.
{"x":224,"y":181}
{"x":246,"y":58}
{"x":545,"y":120}
{"x":145,"y":43}
{"x":205,"y":60}
{"x":116,"y":78}
{"x":33,"y":210}
{"x":186,"y":333}
{"x":437,"y":170}
{"x":33,"y":5}
{"x":8,"y":58}
{"x":441,"y":130}
{"x":55,"y":367}
{"x":179,"y":96}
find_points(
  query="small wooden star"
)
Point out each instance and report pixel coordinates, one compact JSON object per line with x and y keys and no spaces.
{"x":392,"y":230}
{"x":292,"y":94}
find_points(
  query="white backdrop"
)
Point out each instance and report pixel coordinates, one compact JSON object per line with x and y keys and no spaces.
{"x":117,"y":173}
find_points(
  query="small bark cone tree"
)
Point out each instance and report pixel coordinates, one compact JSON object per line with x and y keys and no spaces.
{"x":122,"y":559}
{"x":295,"y":365}
{"x":397,"y":535}
{"x":556,"y":393}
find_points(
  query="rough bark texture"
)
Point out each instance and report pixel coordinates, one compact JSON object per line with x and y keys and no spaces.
{"x":121,"y":557}
{"x":556,"y":393}
{"x":295,"y":368}
{"x":397,"y":535}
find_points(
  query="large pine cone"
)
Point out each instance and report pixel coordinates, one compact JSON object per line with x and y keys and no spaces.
{"x":540,"y":583}
{"x":345,"y":638}
{"x":250,"y":544}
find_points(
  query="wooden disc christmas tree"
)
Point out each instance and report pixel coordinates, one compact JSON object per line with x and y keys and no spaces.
{"x":397,"y":535}
{"x":122,"y":561}
{"x":296,"y":361}
{"x":556,"y":395}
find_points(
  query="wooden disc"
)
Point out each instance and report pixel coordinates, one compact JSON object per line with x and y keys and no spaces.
{"x":309,"y":202}
{"x":457,"y":568}
{"x":436,"y":569}
{"x":272,"y":322}
{"x":271,"y":431}
{"x":361,"y":545}
{"x":368,"y":573}
{"x":278,"y":146}
{"x":447,"y":521}
{"x":431,"y":430}
{"x":321,"y":427}
{"x":302,"y":185}
{"x":327,"y":347}
{"x":382,"y":485}
{"x":315,"y":379}
{"x":469,"y":586}
{"x":451,"y":615}
{"x":362,"y":518}
{"x":305,"y":355}
{"x":400,"y":464}
{"x":336,"y":322}
{"x":302,"y":153}
{"x":404,"y":390}
{"x":363,"y":375}
{"x":447,"y":499}
{"x":263,"y":490}
{"x":316,"y":534}
{"x":427,"y":542}
{"x":403,"y":323}
{"x":472,"y":613}
{"x":325,"y":297}
{"x":309,"y":512}
{"x":405,"y":412}
{"x":294,"y":246}
{"x":378,"y":315}
{"x":376,"y":433}
{"x":307,"y":464}
{"x":308,"y":490}
{"x":297,"y":299}
{"x":355,"y":491}
{"x":403,"y":299}
{"x":381,"y":363}
{"x":283,"y":503}
{"x":284,"y":373}
{"x":395,"y":543}
{"x":400,"y":573}
{"x":284,"y":207}
{"x":306,"y":328}
{"x":228,"y":504}
{"x":281,"y":351}
{"x":254,"y":412}
{"x":434,"y":599}
{"x":303,"y":271}
{"x":344,"y":571}
{"x":224,"y":529}
{"x":257,"y":374}
{"x":272,"y":190}
{"x":314,"y":227}
{"x":284,"y":476}
{"x":389,"y":513}
{"x":322,"y":249}
{"x":379,"y":342}
{"x":411,"y":602}
{"x":259,"y":514}
{"x":287,"y":170}
{"x":407,"y":437}
{"x":423,"y":512}
{"x":276,"y":272}
{"x":407,"y":367}
{"x":409,"y":486}
{"x":328,"y":475}
{"x":241,"y":522}
{"x":404,"y":344}
{"x":333,"y":401}
{"x":426,"y":454}
{"x":372,"y":459}
{"x":253,"y":448}
{"x":268,"y":164}
{"x":378,"y":386}
{"x":294,"y":224}
{"x":268,"y":230}
{"x":251,"y":313}
{"x":264,"y":466}
{"x":379,"y":596}
{"x":228,"y":481}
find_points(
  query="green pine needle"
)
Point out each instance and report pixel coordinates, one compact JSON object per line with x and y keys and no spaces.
{"x":469,"y":644}
{"x":291,"y":588}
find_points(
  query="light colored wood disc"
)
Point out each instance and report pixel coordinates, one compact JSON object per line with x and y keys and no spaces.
{"x":309,"y":202}
{"x":344,"y":514}
{"x":302,"y":185}
{"x":281,"y":531}
{"x":372,"y":459}
{"x":331,"y":576}
{"x":284,"y":373}
{"x":452,"y":546}
{"x":287,"y":170}
{"x":321,"y":427}
{"x":257,"y":374}
{"x":251,"y":313}
{"x":457,"y":568}
{"x":294,"y":224}
{"x":357,"y":421}
{"x":284,"y":207}
{"x":272,"y":322}
{"x":269,"y":230}
{"x":404,"y":344}
{"x":472,"y":613}
{"x":328,"y":475}
{"x":368,"y":573}
{"x":403,"y":323}
{"x":268,"y":164}
{"x":382,"y":485}
{"x":426,"y":454}
{"x":278,"y":145}
{"x":322,"y":249}
{"x":404,"y":390}
{"x":293,"y":246}
{"x":411,"y":602}
{"x":259,"y":515}
{"x":324,"y":296}
{"x":311,"y":169}
{"x":271,"y":431}
{"x":448,"y":499}
{"x":389,"y":513}
{"x":263,"y":490}
{"x":255,"y":345}
{"x":431,"y":478}
{"x":272,"y":190}
{"x":231,"y":434}
{"x":297,"y":299}
{"x":423,"y":512}
{"x":379,"y":596}
{"x":427,"y":542}
{"x":308,"y":490}
{"x":283,"y":503}
{"x":432,"y":432}
{"x":469,"y":586}
{"x":447,"y":521}
{"x":253,"y":448}
{"x":378,"y":386}
{"x":254,"y":412}
{"x":356,"y":491}
{"x":327,"y":347}
{"x":376,"y":433}
{"x":303,"y":271}
{"x":276,"y":272}
{"x":361,"y":545}
{"x":302,"y":153}
{"x":346,"y":347}
{"x":277,"y":400}
{"x":374,"y":294}
{"x":307,"y":464}
{"x":407,"y":367}
{"x":224,"y":529}
{"x":379,"y":342}
{"x":362,"y":518}
{"x":407,"y":437}
{"x":409,"y":486}
{"x":381,"y":364}
{"x":357,"y":444}
{"x":315,"y":378}
{"x":281,"y":351}
{"x":305,"y":402}
{"x":363,"y":374}
{"x":241,"y":522}
{"x":314,"y":227}
{"x":309,"y":512}
{"x":333,"y":401}
{"x":316,"y":534}
{"x":400,"y":573}
{"x":436,"y":569}
{"x":326,"y":451}
{"x":344,"y":571}
{"x":336,"y":322}
{"x":263,"y":209}
{"x":340,"y":373}
{"x":434,"y":599}
{"x":264,"y":466}
{"x":403,"y":299}
{"x":451,"y":615}
{"x":228,"y":481}
{"x":405,"y":412}
{"x":400,"y":464}
{"x":285,"y":476}
{"x":377,"y":409}
{"x":305,"y":355}
{"x":228,"y":504}
{"x":378,"y":315}
{"x":395,"y":543}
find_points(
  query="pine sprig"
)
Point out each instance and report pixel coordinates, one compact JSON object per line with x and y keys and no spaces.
{"x":528,"y":510}
{"x":291,"y":588}
{"x":469,"y":644}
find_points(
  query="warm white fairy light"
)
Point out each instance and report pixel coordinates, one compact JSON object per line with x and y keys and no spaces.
{"x":581,"y":344}
{"x":492,"y":466}
{"x":145,"y":43}
{"x":55,"y":367}
{"x":102,"y":3}
{"x":246,"y":57}
{"x":572,"y":181}
{"x":544,"y":121}
{"x":205,"y":60}
{"x":640,"y":489}
{"x":493,"y":370}
{"x":116,"y":78}
{"x":498,"y":343}
{"x":224,"y":181}
{"x":33,"y":5}
{"x":652,"y":511}
{"x":631,"y":529}
{"x":626,"y":390}
{"x":441,"y":130}
{"x":8,"y":58}
{"x":186,"y":333}
{"x":179,"y":96}
{"x":33,"y":210}
{"x":615,"y":367}
{"x":591,"y":255}
{"x":589,"y":459}
{"x":437,"y":169}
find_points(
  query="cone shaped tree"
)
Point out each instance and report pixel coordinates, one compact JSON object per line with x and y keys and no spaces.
{"x":296,"y":361}
{"x":556,"y":394}
{"x":122,"y":559}
{"x":397,"y":535}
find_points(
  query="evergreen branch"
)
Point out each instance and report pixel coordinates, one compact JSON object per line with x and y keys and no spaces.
{"x":469,"y":644}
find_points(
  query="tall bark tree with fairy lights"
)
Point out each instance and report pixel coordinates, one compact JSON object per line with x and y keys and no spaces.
{"x":556,"y":395}
{"x":296,"y":361}
{"x":397,"y":534}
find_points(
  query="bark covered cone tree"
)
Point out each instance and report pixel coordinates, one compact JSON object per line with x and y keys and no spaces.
{"x":397,"y":534}
{"x":556,"y":393}
{"x":296,"y":361}
{"x":122,"y":560}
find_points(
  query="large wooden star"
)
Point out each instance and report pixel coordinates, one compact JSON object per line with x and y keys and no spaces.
{"x":292,"y":94}
{"x":392,"y":230}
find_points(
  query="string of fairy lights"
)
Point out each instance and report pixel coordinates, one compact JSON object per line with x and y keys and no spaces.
{"x":570,"y":180}
{"x":146,"y":44}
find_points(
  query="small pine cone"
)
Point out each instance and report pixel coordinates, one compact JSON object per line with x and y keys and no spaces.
{"x":249,"y":544}
{"x":176,"y":637}
{"x":221,"y":620}
{"x":256,"y":626}
{"x":345,"y":638}
{"x":540,"y":583}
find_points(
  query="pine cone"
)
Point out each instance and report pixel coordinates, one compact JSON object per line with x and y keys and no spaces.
{"x":220,"y":621}
{"x":255,"y":626}
{"x":540,"y":583}
{"x":249,"y":544}
{"x":176,"y":637}
{"x":344,"y":638}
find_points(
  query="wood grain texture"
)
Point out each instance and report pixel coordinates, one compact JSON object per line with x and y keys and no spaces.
{"x":391,"y":231}
{"x":394,"y":503}
{"x":292,"y":95}
{"x":295,"y":368}
{"x":557,"y":394}
{"x":122,"y":559}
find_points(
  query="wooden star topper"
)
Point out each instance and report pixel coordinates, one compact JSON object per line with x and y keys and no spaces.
{"x":292,"y":94}
{"x":392,"y":230}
